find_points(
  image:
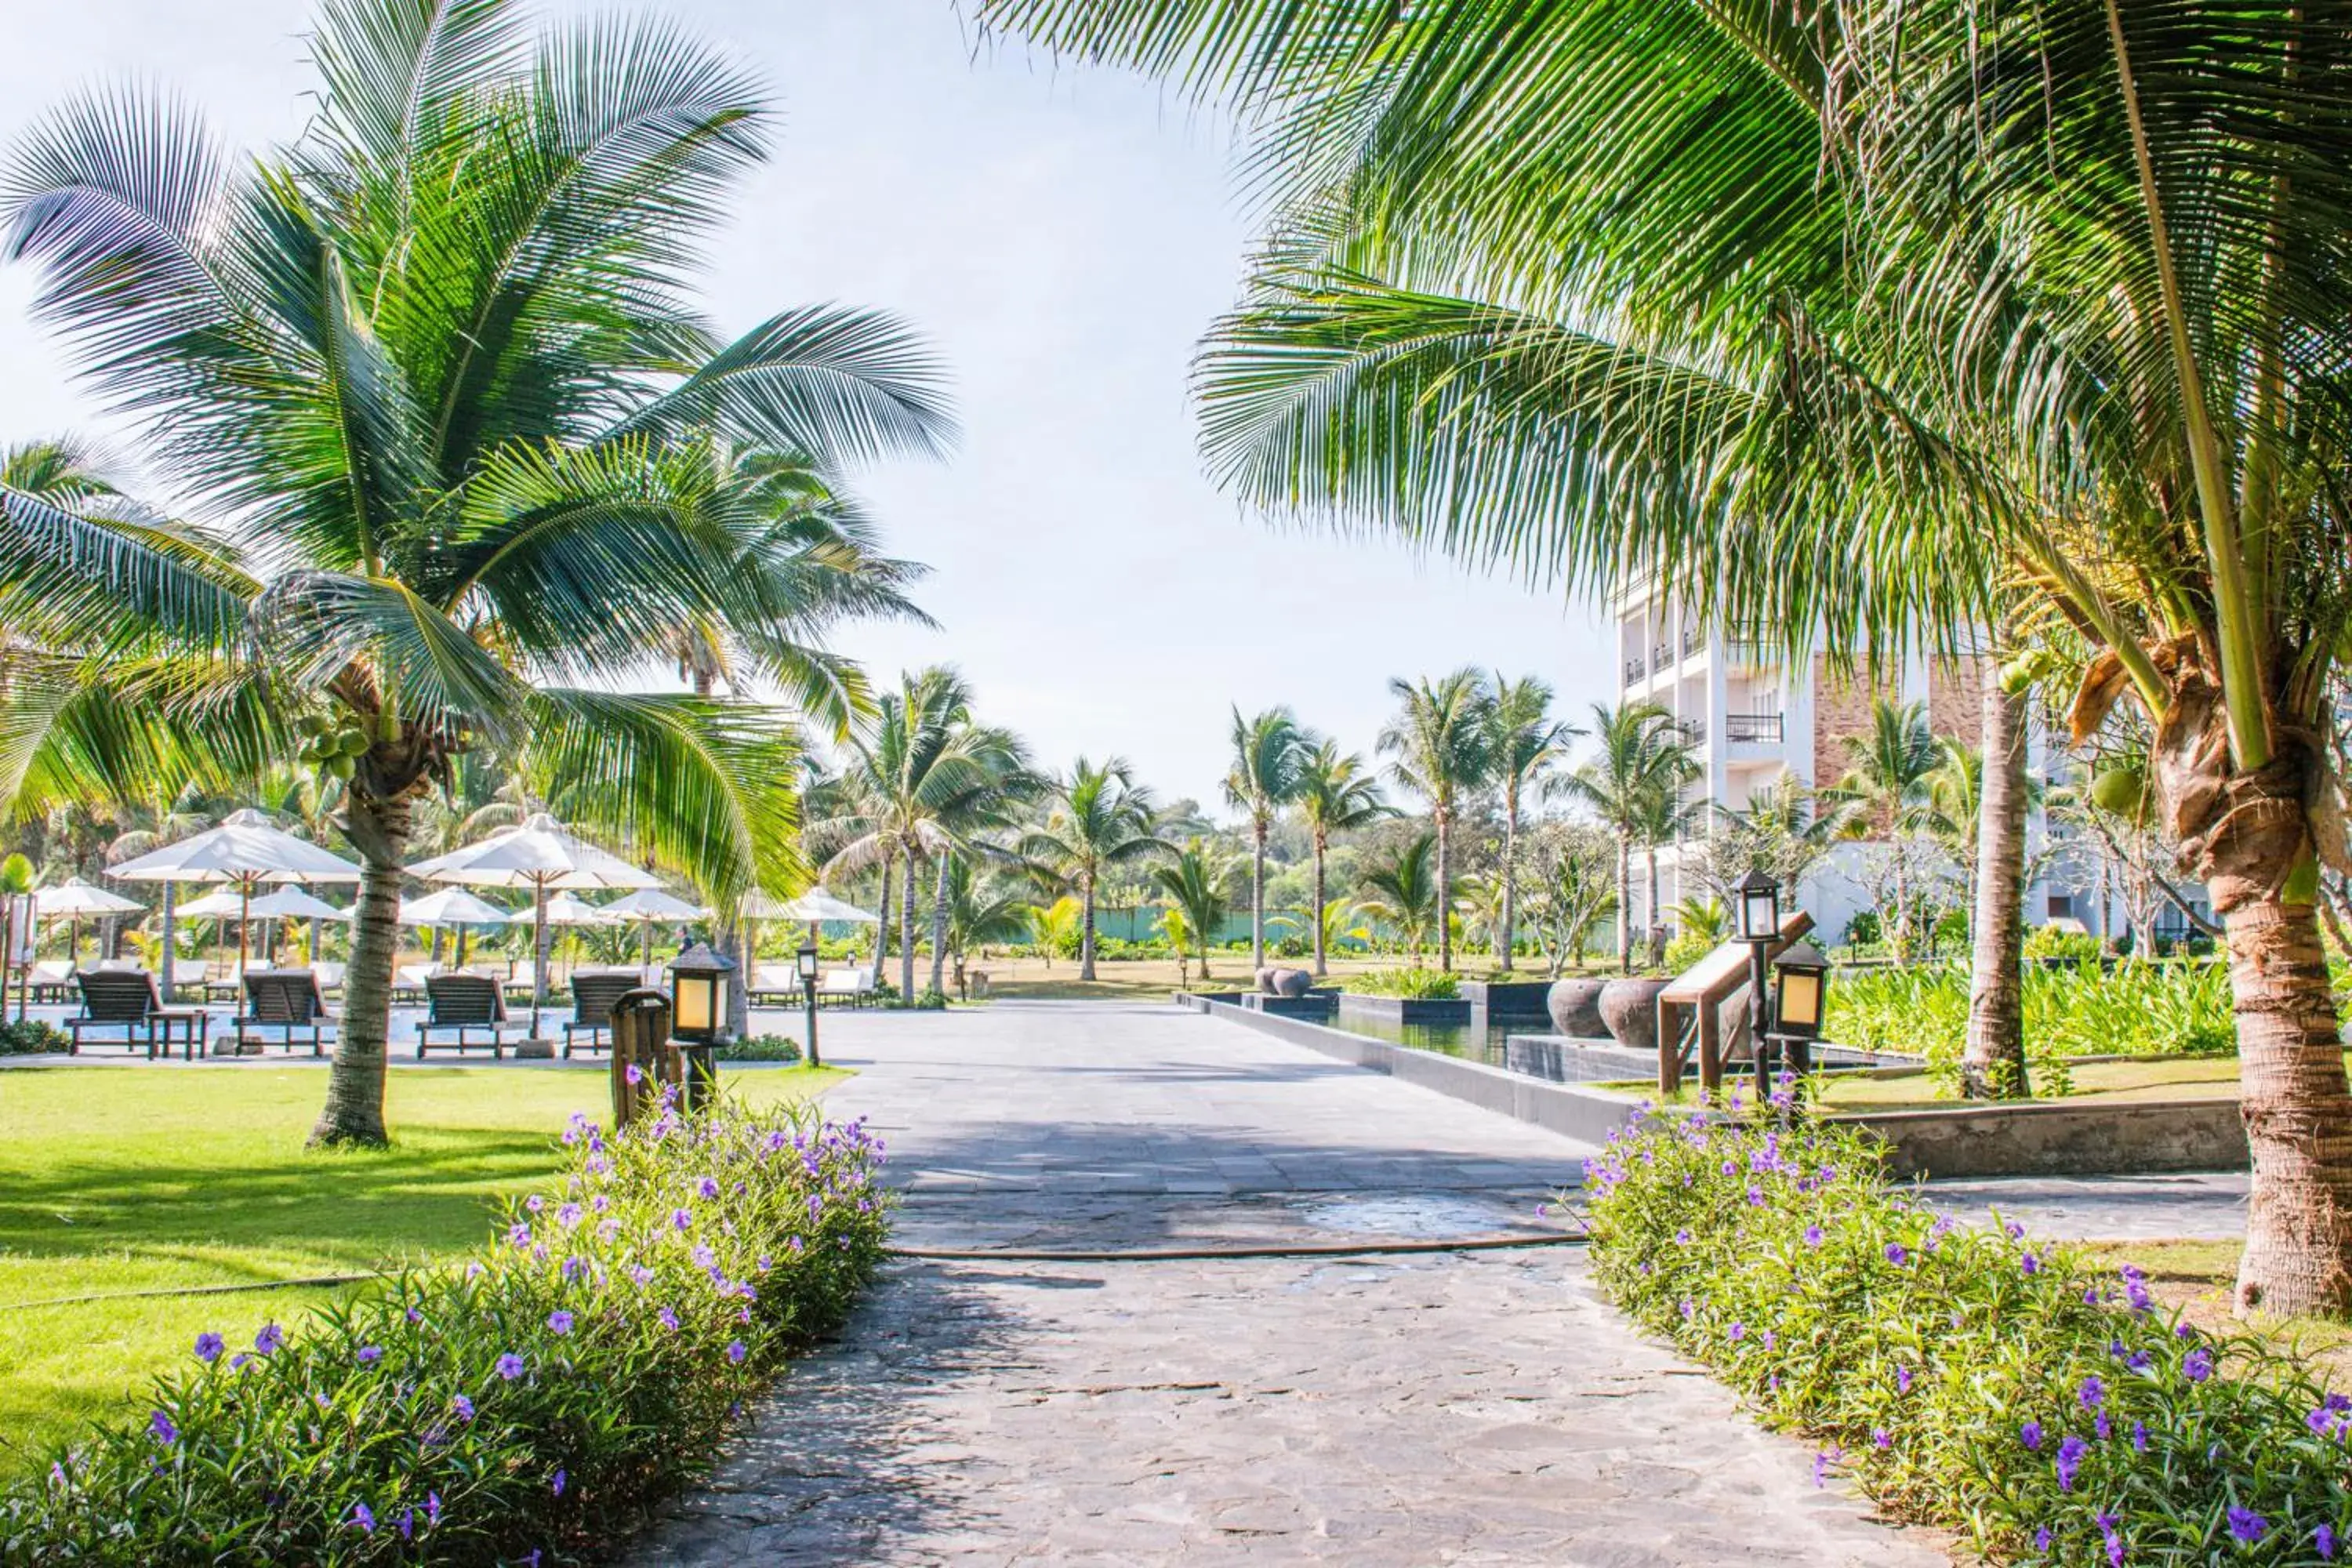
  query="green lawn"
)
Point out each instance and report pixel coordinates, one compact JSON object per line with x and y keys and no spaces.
{"x":125,"y":1180}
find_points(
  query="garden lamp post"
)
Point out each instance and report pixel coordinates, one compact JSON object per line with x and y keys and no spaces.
{"x":806,"y":959}
{"x":698,"y":981}
{"x":1801,"y":993}
{"x":1758,"y":918}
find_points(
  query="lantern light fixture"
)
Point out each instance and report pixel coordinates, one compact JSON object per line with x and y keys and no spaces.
{"x":1759,"y":907}
{"x":698,"y":981}
{"x":1800,"y":984}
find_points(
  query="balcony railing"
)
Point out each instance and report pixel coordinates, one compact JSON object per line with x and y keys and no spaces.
{"x":1635,"y":671}
{"x":1691,"y":640}
{"x":1692,"y":732}
{"x":1753,"y":728}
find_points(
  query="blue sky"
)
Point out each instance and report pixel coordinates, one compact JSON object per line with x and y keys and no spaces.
{"x":1064,"y":238}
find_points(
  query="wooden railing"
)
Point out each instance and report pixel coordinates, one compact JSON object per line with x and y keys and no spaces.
{"x":1707,"y":990}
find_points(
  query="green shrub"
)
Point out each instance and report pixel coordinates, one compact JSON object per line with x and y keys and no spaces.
{"x":1967,"y":1377}
{"x":2049,"y":941}
{"x":926,"y":1001}
{"x":759,"y":1048}
{"x":533,"y":1402}
{"x":2077,"y":1010}
{"x":30,"y":1037}
{"x":1413,"y":984}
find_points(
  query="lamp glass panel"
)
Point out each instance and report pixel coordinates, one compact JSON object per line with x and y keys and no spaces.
{"x":695,"y":1009}
{"x":1762,"y":917}
{"x":807,"y":960}
{"x":1801,"y":999}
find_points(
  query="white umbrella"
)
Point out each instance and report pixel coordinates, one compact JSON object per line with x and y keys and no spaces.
{"x":73,"y":899}
{"x":293,"y":904}
{"x":452,"y":907}
{"x":224,"y":905}
{"x":650,"y":907}
{"x":571,"y":910}
{"x":244,"y":849}
{"x":817,"y":905}
{"x":539,"y":854}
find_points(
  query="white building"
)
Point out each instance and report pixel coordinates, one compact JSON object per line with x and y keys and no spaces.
{"x":1756,"y":725}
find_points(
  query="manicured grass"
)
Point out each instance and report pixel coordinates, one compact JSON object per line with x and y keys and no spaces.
{"x":2198,"y":1279}
{"x":116,"y":1180}
{"x":2158,"y":1078}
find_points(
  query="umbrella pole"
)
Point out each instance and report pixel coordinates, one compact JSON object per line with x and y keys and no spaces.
{"x":244,"y":924}
{"x":538,"y":951}
{"x":461,"y":947}
{"x":649,"y":944}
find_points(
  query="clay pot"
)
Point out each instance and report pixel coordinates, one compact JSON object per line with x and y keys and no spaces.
{"x":1285,"y":982}
{"x":1629,"y":1008}
{"x":1575,"y":1009}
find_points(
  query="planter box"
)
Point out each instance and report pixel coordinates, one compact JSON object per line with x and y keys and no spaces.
{"x":1404,"y":1009}
{"x":2052,"y":1138}
{"x":1563,"y":1060}
{"x":1508,"y":999}
{"x":1314,"y":1004}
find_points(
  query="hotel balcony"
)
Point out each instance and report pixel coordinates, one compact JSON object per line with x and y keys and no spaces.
{"x":1755,"y":728}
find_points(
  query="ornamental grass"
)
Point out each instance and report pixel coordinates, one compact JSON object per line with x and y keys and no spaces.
{"x":524,"y":1406}
{"x":1965,"y":1376}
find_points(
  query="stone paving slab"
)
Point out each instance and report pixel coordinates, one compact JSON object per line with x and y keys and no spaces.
{"x":1479,"y":1407}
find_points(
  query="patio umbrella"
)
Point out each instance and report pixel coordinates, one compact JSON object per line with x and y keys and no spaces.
{"x":294,"y":904}
{"x":73,"y":899}
{"x":244,"y":850}
{"x":541,"y":854}
{"x":814,"y":906}
{"x":650,"y":907}
{"x":452,"y":907}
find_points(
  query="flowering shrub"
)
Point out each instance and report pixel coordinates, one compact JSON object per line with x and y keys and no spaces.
{"x":1965,"y":1376}
{"x":524,"y":1406}
{"x":1412,"y":985}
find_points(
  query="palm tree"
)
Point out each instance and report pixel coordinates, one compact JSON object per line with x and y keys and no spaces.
{"x":1852,"y":322}
{"x":1527,"y":742}
{"x":1635,"y":784}
{"x":1337,"y":793}
{"x":1884,"y":788}
{"x":1443,"y":742}
{"x":1196,"y":882}
{"x":1404,"y":892}
{"x":925,"y":777}
{"x":1270,"y":753}
{"x":979,"y":912}
{"x":1101,"y":820}
{"x":437,"y":372}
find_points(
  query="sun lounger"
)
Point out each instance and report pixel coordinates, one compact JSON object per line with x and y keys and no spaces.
{"x":126,"y":1000}
{"x":289,"y":1001}
{"x":471,"y":1007}
{"x":593,"y":997}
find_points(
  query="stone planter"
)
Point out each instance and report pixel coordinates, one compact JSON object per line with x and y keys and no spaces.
{"x":1276,"y":981}
{"x":1575,"y":1009}
{"x":1405,"y":1009}
{"x":1629,"y":1009}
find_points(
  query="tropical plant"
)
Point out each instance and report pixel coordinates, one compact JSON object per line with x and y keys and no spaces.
{"x":1572,"y":890}
{"x":1337,"y":793}
{"x":1634,"y":783}
{"x":1404,"y":892}
{"x":17,"y":884}
{"x":1102,"y":820}
{"x":436,"y":371}
{"x":1340,"y":924}
{"x":1442,"y":745}
{"x":1053,"y":928}
{"x":1268,"y":773}
{"x":1527,"y":742}
{"x":1407,"y":985}
{"x":1884,"y":792}
{"x":981,"y":910}
{"x":1196,"y":882}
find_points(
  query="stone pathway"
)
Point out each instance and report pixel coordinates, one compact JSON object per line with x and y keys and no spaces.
{"x":1479,"y":1407}
{"x":2191,"y":1204}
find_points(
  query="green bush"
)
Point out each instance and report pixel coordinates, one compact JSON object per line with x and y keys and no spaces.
{"x":926,"y":1001}
{"x":2048,"y":941}
{"x":1413,"y":984}
{"x":30,"y":1037}
{"x":2077,"y":1010}
{"x":1968,"y":1378}
{"x":759,"y":1048}
{"x":533,"y":1402}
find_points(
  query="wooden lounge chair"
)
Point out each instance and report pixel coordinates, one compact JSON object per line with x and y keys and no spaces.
{"x":593,"y":997}
{"x":126,"y":999}
{"x":772,"y":982}
{"x":469,"y":1005}
{"x":854,"y":986}
{"x":51,"y":980}
{"x":287,"y":1000}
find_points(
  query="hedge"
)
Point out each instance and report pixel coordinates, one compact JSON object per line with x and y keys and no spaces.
{"x":526,"y":1405}
{"x":1965,"y":1377}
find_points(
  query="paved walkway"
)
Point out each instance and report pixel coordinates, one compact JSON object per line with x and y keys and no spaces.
{"x":1432,"y":1408}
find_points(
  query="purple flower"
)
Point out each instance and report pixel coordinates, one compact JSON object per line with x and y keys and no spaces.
{"x":1683,"y":1236}
{"x":462,"y":1405}
{"x":560,"y":1480}
{"x":2247,"y":1526}
{"x":1895,"y":1253}
{"x":2197,"y":1365}
{"x":634,"y":1073}
{"x":368,"y":1355}
{"x":510,"y":1366}
{"x":1812,"y":1236}
{"x":2071,"y":1453}
{"x":519,"y":1235}
{"x":209,"y":1347}
{"x":736,"y":1351}
{"x":535,"y":1203}
{"x":2041,"y":1539}
{"x":1738,"y":1331}
{"x":432,"y":1508}
{"x":160,"y":1424}
{"x":2031,"y":1263}
{"x":568,"y":1215}
{"x":2139,"y":1437}
{"x":269,"y":1339}
{"x":362,"y":1519}
{"x":1821,"y":1462}
{"x":710,"y":1186}
{"x":1756,"y":1197}
{"x":407,"y":1523}
{"x":560,"y":1320}
{"x":667,"y":1319}
{"x":1881,"y":1437}
{"x":2323,"y":1541}
{"x":2091,"y":1394}
{"x":681,"y":1218}
{"x":2030,"y":1435}
{"x":1902,"y":1379}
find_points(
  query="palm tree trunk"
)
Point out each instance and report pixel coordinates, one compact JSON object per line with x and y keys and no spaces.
{"x":907,"y":932}
{"x":353,"y":1114}
{"x":165,"y":963}
{"x":1445,"y":890}
{"x":1086,"y":932}
{"x":2298,"y":1115}
{"x":939,"y":926}
{"x":1993,"y":1064}
{"x":1624,"y":903}
{"x":1320,"y":969}
{"x":1510,"y":878}
{"x":1257,"y":894}
{"x":882,"y":926}
{"x":1650,"y":864}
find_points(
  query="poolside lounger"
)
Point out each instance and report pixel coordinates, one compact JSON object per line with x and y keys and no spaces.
{"x":126,"y":999}
{"x":287,"y":1000}
{"x":593,"y":997}
{"x":472,"y":1006}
